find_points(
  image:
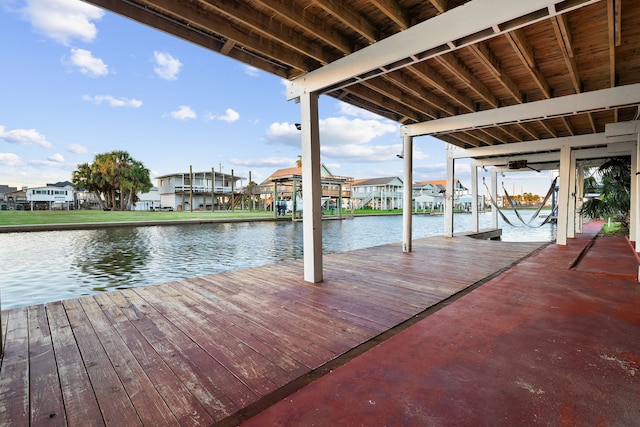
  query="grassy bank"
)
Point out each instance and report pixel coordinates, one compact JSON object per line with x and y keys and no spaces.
{"x":87,"y":216}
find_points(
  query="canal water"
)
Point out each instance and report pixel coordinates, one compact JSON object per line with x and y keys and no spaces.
{"x":39,"y":267}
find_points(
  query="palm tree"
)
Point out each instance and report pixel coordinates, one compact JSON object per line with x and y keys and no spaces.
{"x":615,"y":197}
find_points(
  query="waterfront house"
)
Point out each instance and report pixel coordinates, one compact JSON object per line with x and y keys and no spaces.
{"x":148,"y":201}
{"x":199,"y":190}
{"x":60,"y":195}
{"x":378,"y":193}
{"x":286,"y":184}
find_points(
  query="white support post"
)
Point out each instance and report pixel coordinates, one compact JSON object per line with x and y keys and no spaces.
{"x":494,"y":192}
{"x":579,"y":198}
{"x":448,"y":197}
{"x":563,"y":195}
{"x":311,"y":188}
{"x":571,"y":218}
{"x":407,"y":195}
{"x":475,"y":224}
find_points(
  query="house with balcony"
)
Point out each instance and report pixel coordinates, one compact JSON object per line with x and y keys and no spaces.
{"x":199,"y":191}
{"x":286,"y":184}
{"x":60,"y":195}
{"x":378,"y":193}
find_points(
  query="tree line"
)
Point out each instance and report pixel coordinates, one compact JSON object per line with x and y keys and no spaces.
{"x":115,"y":178}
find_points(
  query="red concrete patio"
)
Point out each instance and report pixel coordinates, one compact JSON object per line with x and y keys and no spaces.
{"x":552,"y":341}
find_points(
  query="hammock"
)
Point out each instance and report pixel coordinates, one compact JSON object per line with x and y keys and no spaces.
{"x":513,"y":205}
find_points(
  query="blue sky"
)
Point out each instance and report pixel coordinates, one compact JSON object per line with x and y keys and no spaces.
{"x":76,"y":81}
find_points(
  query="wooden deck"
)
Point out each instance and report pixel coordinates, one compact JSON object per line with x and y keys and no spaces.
{"x":219,"y":348}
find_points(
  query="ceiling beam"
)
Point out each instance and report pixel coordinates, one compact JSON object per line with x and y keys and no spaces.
{"x":571,"y":104}
{"x":561,"y":29}
{"x":524,"y":51}
{"x":489,"y":60}
{"x":350,"y":18}
{"x":464,"y":25}
{"x":440,"y":5}
{"x":394,"y":11}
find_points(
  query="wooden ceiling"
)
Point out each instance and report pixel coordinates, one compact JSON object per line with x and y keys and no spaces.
{"x":591,"y":46}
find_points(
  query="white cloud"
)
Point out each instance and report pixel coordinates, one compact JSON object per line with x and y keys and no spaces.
{"x":167,"y":67}
{"x":273,"y":162}
{"x":77,"y":149}
{"x":87,"y":63}
{"x":251,"y":71}
{"x":184,"y":112}
{"x":364,"y":153}
{"x":113,"y":102}
{"x":63,"y":20}
{"x":230,"y":116}
{"x":55,"y":160}
{"x":24,"y":137}
{"x":334,"y":131}
{"x":10,"y":160}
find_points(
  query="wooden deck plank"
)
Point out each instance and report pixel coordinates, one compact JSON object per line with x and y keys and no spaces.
{"x":45,"y":399}
{"x":167,"y":380}
{"x":234,"y":315}
{"x":14,"y":376}
{"x":81,"y":405}
{"x":148,"y":403}
{"x":114,"y":402}
{"x":196,"y":351}
{"x":225,"y":392}
{"x":256,"y":372}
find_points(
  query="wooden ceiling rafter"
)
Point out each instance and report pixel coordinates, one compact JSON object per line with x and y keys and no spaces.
{"x":400,"y":97}
{"x":489,"y":60}
{"x":350,"y":18}
{"x":296,"y":17}
{"x":394,"y":11}
{"x":409,"y":85}
{"x":520,"y":44}
{"x":440,"y":5}
{"x":422,"y":71}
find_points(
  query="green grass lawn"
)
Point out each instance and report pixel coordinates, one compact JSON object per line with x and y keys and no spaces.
{"x":85,"y":216}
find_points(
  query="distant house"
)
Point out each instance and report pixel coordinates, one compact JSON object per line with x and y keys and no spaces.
{"x":52,"y":196}
{"x":198,"y":190}
{"x":286,"y":185}
{"x":147,"y":201}
{"x":378,"y":193}
{"x":431,"y":194}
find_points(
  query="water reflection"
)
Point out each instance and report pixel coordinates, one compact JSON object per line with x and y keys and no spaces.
{"x":48,"y":266}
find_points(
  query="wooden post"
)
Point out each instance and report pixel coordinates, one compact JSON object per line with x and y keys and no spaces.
{"x":233,"y":197}
{"x":190,"y":188}
{"x":213,"y":188}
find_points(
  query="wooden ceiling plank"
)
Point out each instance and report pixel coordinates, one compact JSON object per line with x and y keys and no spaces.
{"x":394,"y":11}
{"x":563,"y":36}
{"x":494,"y":135}
{"x":527,"y":129}
{"x":481,"y":137}
{"x":424,"y":72}
{"x":467,"y":139}
{"x":611,"y":15}
{"x":523,"y":49}
{"x":401,"y":97}
{"x":183,"y":26}
{"x":547,"y":126}
{"x":297,"y":18}
{"x":592,"y":122}
{"x":263,"y":25}
{"x":350,"y":18}
{"x":457,"y":68}
{"x":440,"y":5}
{"x":484,"y":55}
{"x":451,"y":139}
{"x":411,"y":86}
{"x":377,"y":98}
{"x":567,"y":125}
